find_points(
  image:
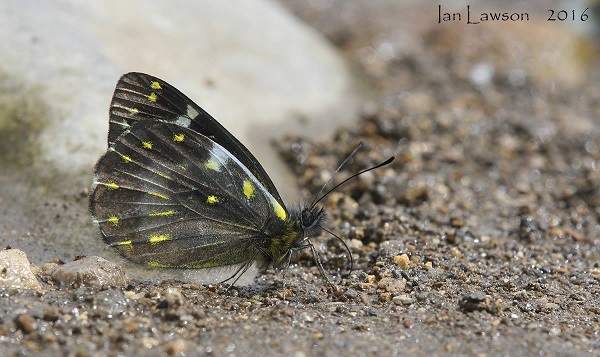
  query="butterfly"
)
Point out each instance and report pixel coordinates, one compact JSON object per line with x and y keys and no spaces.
{"x":175,"y":189}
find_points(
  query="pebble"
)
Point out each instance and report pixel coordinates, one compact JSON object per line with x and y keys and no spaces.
{"x":391,"y":248}
{"x":403,"y":300}
{"x":403,"y":261}
{"x":15,"y":270}
{"x":555,"y":331}
{"x":52,"y":314}
{"x":408,"y":323}
{"x":391,"y":284}
{"x":25,"y":323}
{"x":173,"y":297}
{"x":176,"y":347}
{"x":90,"y":271}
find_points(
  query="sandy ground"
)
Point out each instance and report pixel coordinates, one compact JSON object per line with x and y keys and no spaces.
{"x":481,"y":238}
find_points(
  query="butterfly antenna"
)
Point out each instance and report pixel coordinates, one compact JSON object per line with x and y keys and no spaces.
{"x":318,"y":199}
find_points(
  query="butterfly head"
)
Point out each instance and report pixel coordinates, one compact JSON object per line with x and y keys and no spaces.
{"x":311,"y":219}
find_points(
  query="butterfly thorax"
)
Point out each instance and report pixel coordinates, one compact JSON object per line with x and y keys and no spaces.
{"x":291,"y":234}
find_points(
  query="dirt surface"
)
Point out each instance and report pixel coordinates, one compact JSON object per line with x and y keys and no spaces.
{"x":480,"y":238}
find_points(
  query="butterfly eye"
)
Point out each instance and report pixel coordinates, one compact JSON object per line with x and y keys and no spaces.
{"x":307,"y":218}
{"x":310,"y":220}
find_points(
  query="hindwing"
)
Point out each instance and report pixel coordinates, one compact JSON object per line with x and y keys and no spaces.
{"x":169,"y":196}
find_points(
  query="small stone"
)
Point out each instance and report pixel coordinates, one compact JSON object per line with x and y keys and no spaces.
{"x":90,"y":271}
{"x":429,"y":265}
{"x":354,"y":244}
{"x":403,"y":300}
{"x":575,"y":234}
{"x":48,"y":266}
{"x":51,"y":315}
{"x":555,"y":331}
{"x":391,"y":248}
{"x":134,"y":296}
{"x":391,"y":284}
{"x":385,"y":297}
{"x":131,"y":327}
{"x":403,"y":261}
{"x":457,"y":223}
{"x":285,"y":294}
{"x":478,"y":301}
{"x":338,"y":292}
{"x":173,"y":297}
{"x":364,"y":286}
{"x":176,"y":347}
{"x":25,"y":323}
{"x":455,"y":252}
{"x":289,"y":312}
{"x":351,"y":293}
{"x":16,"y":271}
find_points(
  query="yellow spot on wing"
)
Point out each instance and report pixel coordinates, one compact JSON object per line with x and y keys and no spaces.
{"x":157,"y":265}
{"x":163,"y":213}
{"x":279,"y":210}
{"x":126,"y":243}
{"x":212,"y":200}
{"x":159,"y":238}
{"x":133,"y":110}
{"x":162,"y":175}
{"x":178,"y":137}
{"x":152,"y":97}
{"x":126,"y":158}
{"x":248,"y":189}
{"x":159,"y":195}
{"x":113,"y":219}
{"x":147,"y":145}
{"x":111,"y":186}
{"x":212,"y":165}
{"x":155,"y":85}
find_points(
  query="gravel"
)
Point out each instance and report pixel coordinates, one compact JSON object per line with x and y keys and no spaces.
{"x":480,"y":238}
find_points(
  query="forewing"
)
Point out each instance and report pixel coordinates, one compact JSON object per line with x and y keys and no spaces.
{"x":139,"y":96}
{"x":168,"y":196}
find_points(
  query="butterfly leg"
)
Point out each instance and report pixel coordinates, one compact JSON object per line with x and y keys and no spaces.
{"x":239,"y":272}
{"x":317,"y":260}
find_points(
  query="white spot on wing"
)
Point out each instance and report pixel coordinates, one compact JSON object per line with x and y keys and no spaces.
{"x":183,"y":121}
{"x":191,"y":112}
{"x":218,"y":154}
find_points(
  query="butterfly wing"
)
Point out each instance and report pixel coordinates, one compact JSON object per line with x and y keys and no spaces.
{"x":139,"y":96}
{"x":168,"y":196}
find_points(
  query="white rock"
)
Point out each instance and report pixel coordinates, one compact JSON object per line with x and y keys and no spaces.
{"x":253,"y":66}
{"x":15,"y":270}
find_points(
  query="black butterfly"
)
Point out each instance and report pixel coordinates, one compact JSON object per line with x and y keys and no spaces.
{"x":176,"y":190}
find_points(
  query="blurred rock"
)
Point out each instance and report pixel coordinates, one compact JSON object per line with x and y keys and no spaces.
{"x":15,"y":270}
{"x":253,"y":66}
{"x":90,"y":271}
